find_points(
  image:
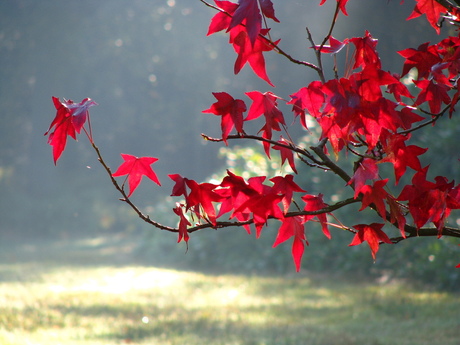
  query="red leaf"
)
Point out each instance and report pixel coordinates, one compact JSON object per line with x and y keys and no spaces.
{"x":249,"y":14}
{"x":231,"y":111}
{"x":433,"y":93}
{"x":293,"y":226}
{"x":316,"y":203}
{"x":401,"y":156}
{"x":432,"y":9}
{"x":398,"y":89}
{"x":252,"y":53}
{"x":267,"y":9}
{"x":367,"y":170}
{"x":373,"y":234}
{"x":310,"y":98}
{"x":334,"y":46}
{"x":342,"y":5}
{"x":286,"y":153}
{"x":180,"y":188}
{"x":266,"y":104}
{"x":136,"y":168}
{"x":262,"y":204}
{"x":203,"y":194}
{"x":375,"y":195}
{"x":222,"y":20}
{"x":69,"y":120}
{"x":366,"y":53}
{"x":183,"y":223}
{"x":429,"y":201}
{"x":422,"y":58}
{"x":285,"y":186}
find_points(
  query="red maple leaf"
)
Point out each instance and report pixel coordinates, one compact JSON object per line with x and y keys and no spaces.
{"x":136,"y":168}
{"x":397,"y":214}
{"x":316,"y":203}
{"x":266,"y":104}
{"x":222,"y":20}
{"x":203,"y":194}
{"x":251,"y":53}
{"x":334,"y":46}
{"x":183,"y":223}
{"x":400,"y":155}
{"x":69,"y":120}
{"x":285,"y":186}
{"x":263,"y":203}
{"x":341,"y":3}
{"x":231,"y":111}
{"x":371,"y":233}
{"x":398,"y":89}
{"x":310,"y":98}
{"x":293,"y":226}
{"x":432,"y":9}
{"x":433,"y":93}
{"x":286,"y":153}
{"x":423,"y":58}
{"x":180,"y":188}
{"x":430,"y":201}
{"x":367,"y":170}
{"x":375,"y":195}
{"x":249,"y":14}
{"x":366,"y":53}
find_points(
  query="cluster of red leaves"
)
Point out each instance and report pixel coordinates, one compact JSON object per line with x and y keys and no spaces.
{"x":355,"y":111}
{"x":249,"y":201}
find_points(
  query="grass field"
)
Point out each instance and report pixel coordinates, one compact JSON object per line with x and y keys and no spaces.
{"x":89,"y":292}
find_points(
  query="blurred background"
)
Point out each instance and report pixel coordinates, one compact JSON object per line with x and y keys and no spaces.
{"x":151,"y":69}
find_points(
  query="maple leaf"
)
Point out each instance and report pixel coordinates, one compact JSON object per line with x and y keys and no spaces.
{"x":267,"y":9}
{"x":286,"y":153}
{"x":316,"y":203}
{"x":371,"y":233}
{"x":432,"y":9}
{"x":396,"y":214}
{"x":203,"y":194}
{"x":401,"y":156}
{"x":247,"y":12}
{"x":423,"y":58}
{"x":136,"y":168}
{"x":375,"y":195}
{"x":266,"y":104}
{"x":183,"y":223}
{"x":293,"y":227}
{"x":341,"y":3}
{"x":262,"y":204}
{"x":251,"y":53}
{"x":398,"y":89}
{"x":366,"y":53}
{"x":180,"y":188}
{"x":370,"y":80}
{"x":433,"y":93}
{"x":286,"y":187}
{"x":231,"y":111}
{"x":334,"y":46}
{"x":367,"y":170}
{"x":221,"y":20}
{"x":310,"y":98}
{"x":430,"y":201}
{"x":69,"y":120}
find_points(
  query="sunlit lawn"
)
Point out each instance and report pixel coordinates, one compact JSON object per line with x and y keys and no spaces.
{"x":52,"y":303}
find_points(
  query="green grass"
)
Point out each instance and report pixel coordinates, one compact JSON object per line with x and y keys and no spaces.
{"x":45,"y":298}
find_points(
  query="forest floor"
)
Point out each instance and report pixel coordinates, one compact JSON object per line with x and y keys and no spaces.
{"x":93,"y":291}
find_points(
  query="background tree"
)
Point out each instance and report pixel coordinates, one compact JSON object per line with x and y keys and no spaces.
{"x":364,"y":118}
